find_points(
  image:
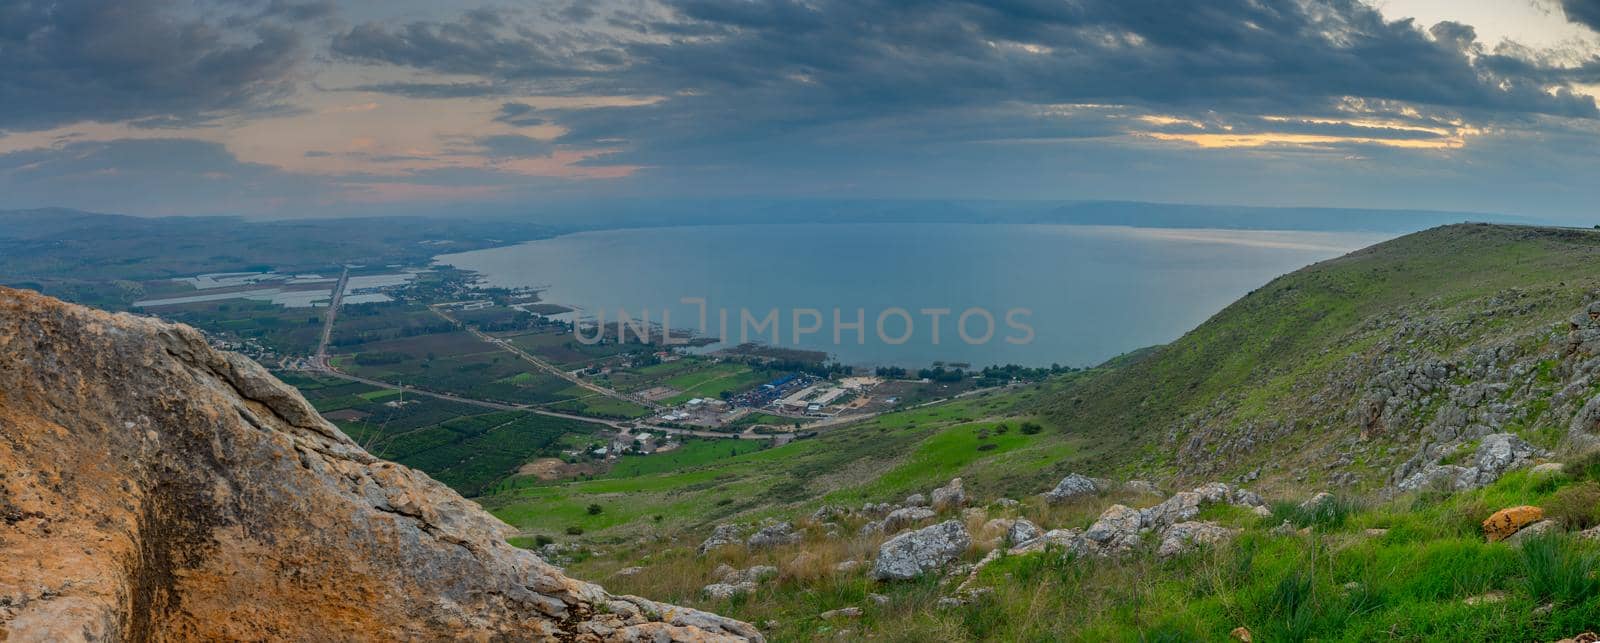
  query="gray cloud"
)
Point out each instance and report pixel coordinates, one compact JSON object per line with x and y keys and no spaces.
{"x":1583,"y":12}
{"x":736,"y":73}
{"x":151,"y":176}
{"x":68,"y":61}
{"x":513,"y":146}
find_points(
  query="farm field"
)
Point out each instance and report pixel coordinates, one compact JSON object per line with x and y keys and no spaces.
{"x":459,"y":445}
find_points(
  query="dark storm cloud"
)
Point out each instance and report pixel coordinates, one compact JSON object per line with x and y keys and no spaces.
{"x":766,"y":71}
{"x":1583,"y":12}
{"x":66,"y":61}
{"x":482,"y":42}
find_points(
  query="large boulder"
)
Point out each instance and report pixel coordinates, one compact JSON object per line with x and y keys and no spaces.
{"x":949,"y":497}
{"x":1072,"y":486}
{"x":1116,"y":531}
{"x":157,"y":489}
{"x":1181,"y":507}
{"x":915,"y":553}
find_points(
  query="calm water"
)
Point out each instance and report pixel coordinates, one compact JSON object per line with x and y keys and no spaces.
{"x":1093,"y":292}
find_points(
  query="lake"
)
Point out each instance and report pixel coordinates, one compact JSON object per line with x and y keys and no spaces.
{"x":1086,"y":293}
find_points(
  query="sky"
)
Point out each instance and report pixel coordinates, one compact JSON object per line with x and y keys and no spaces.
{"x":295,"y":108}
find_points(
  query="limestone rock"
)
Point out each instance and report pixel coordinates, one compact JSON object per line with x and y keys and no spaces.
{"x":949,"y":497}
{"x":1547,"y":469}
{"x":774,"y":535}
{"x":1509,"y":521}
{"x":1072,"y":486}
{"x":916,"y":500}
{"x":1144,"y":487}
{"x":1023,"y":532}
{"x":725,"y":591}
{"x":902,"y":518}
{"x":1317,"y":502}
{"x":167,"y":490}
{"x":1116,"y":531}
{"x":841,"y":614}
{"x":1532,"y":531}
{"x":1187,"y":536}
{"x":722,"y":536}
{"x":912,"y":554}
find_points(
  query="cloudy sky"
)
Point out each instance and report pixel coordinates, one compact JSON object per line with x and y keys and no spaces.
{"x":309,"y":107}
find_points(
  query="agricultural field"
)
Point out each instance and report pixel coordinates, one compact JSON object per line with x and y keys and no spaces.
{"x":286,"y":331}
{"x":460,"y":445}
{"x":562,"y":348}
{"x":455,"y":362}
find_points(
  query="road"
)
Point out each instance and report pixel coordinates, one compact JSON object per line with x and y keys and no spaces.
{"x":618,"y":425}
{"x":321,"y":358}
{"x":548,"y":367}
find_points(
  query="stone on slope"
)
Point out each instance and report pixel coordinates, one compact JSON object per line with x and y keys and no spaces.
{"x":902,"y":518}
{"x":949,"y":497}
{"x":1072,"y":486}
{"x":722,"y":536}
{"x":1023,"y":532}
{"x":1187,"y":536}
{"x":156,"y":488}
{"x":1506,"y":522}
{"x":773,"y":535}
{"x":1534,"y":530}
{"x":914,"y":553}
{"x":1116,"y":531}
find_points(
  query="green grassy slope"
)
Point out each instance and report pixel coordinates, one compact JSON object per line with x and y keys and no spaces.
{"x":1263,"y":358}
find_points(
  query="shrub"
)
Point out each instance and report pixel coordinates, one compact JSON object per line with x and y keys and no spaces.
{"x":1575,"y":506}
{"x":987,"y":446}
{"x":574,"y":531}
{"x":1559,"y":570}
{"x":1585,"y":467}
{"x":594,"y":510}
{"x":542,"y":540}
{"x":1330,"y":514}
{"x":1030,"y":428}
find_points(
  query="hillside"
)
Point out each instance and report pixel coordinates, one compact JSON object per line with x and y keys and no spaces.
{"x":1341,"y":373}
{"x":1418,"y":380}
{"x":152,"y":488}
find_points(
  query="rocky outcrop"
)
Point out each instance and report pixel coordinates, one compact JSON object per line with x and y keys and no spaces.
{"x":914,"y":553}
{"x":154,"y":488}
{"x":1496,"y":455}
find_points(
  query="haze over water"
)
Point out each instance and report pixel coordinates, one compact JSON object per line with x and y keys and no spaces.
{"x":1094,"y":292}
